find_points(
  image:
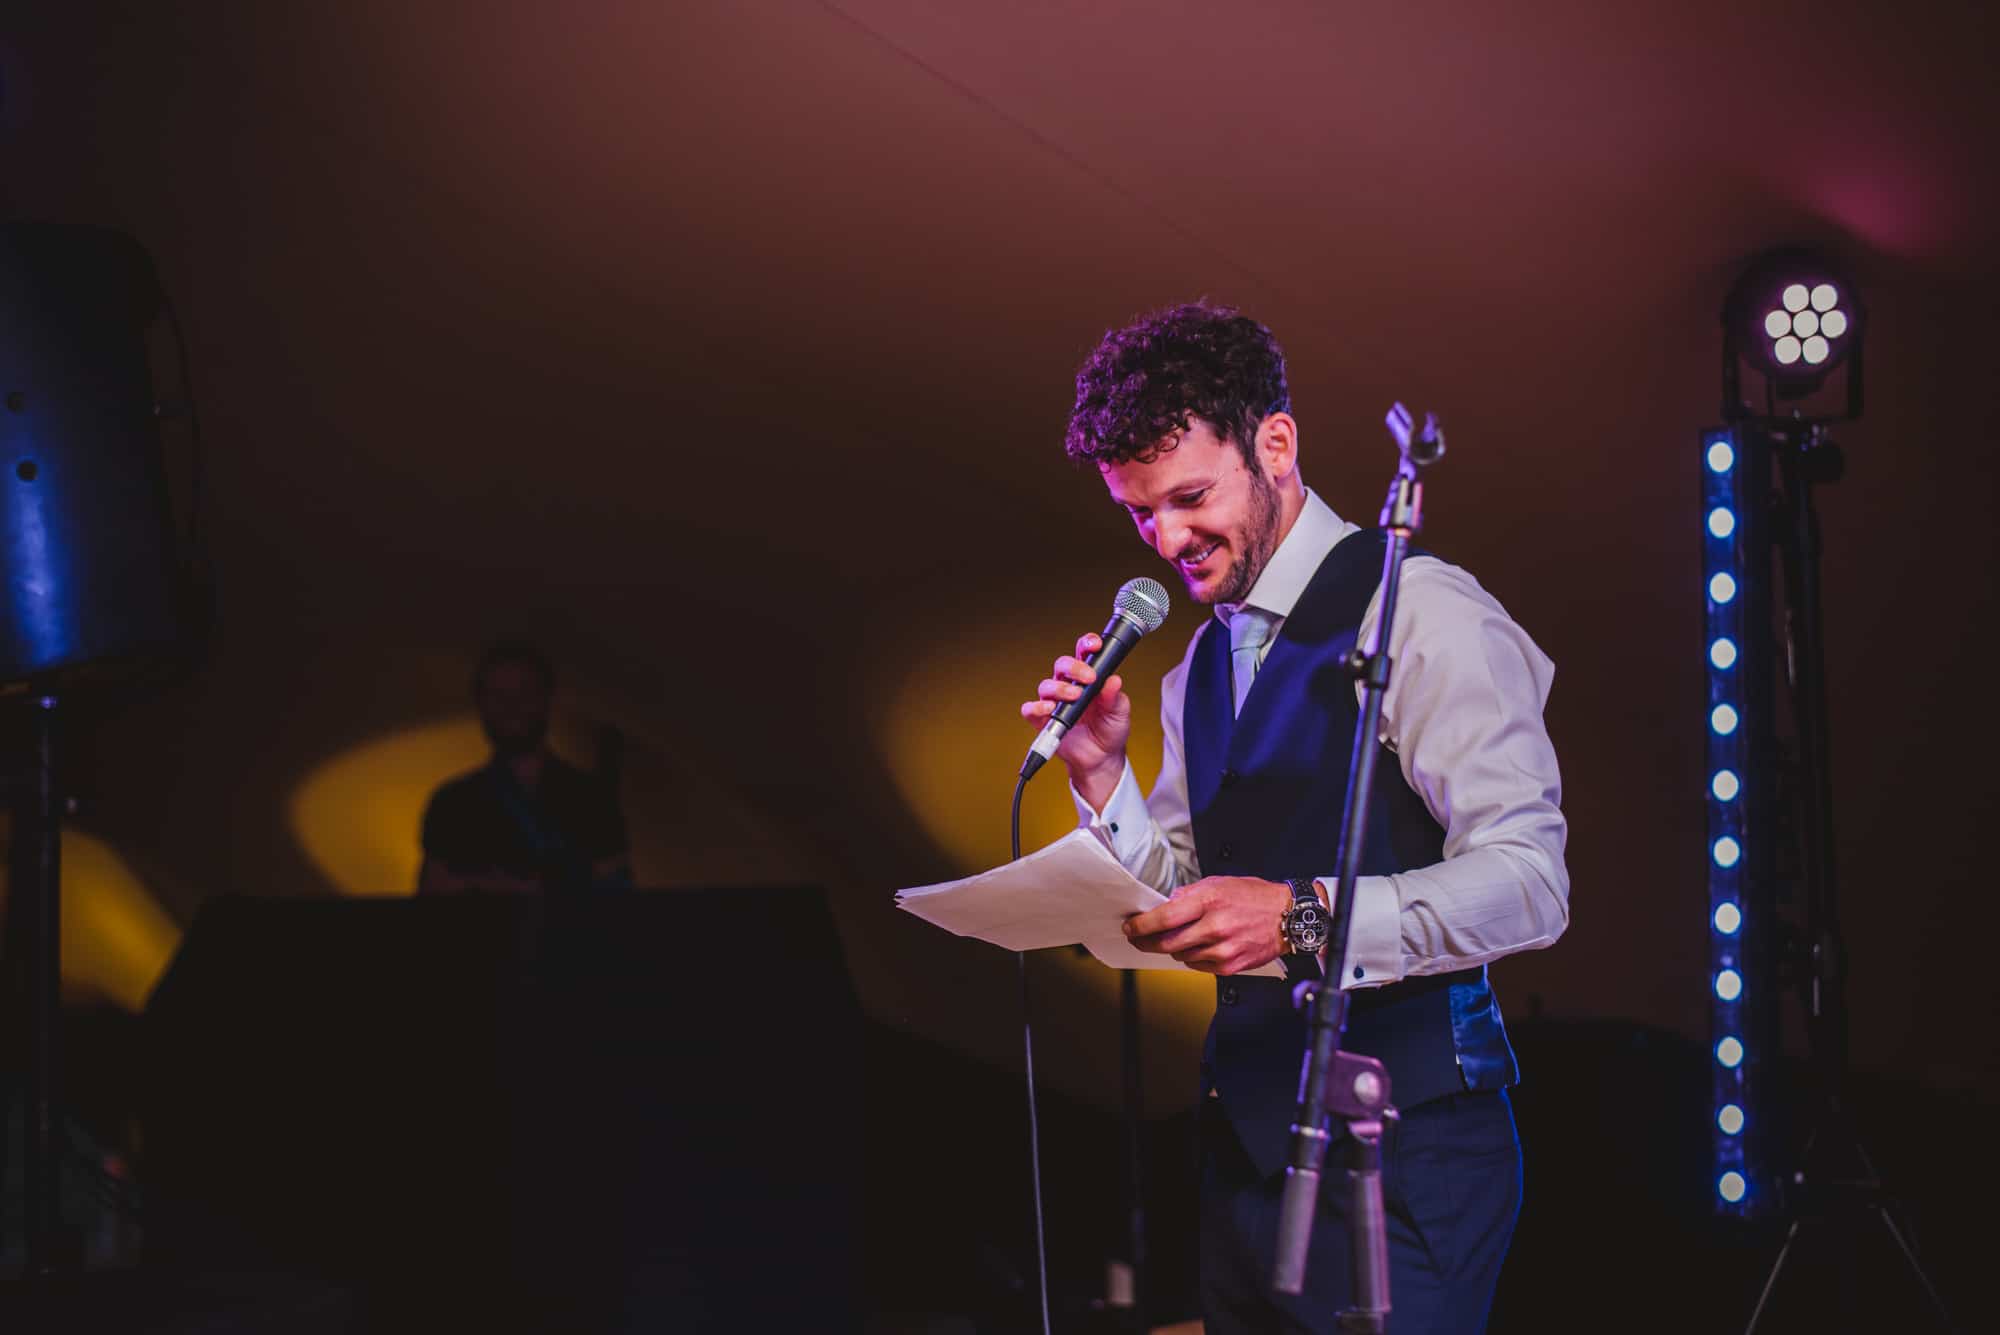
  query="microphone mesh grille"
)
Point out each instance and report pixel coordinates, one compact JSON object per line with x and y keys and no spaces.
{"x":1144,"y":601}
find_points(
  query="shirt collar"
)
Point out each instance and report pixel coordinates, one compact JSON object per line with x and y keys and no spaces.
{"x":1313,"y":534}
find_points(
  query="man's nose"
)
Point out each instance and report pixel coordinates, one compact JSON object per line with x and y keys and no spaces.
{"x":1169,"y":537}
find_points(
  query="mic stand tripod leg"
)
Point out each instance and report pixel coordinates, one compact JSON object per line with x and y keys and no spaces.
{"x":1355,"y":1089}
{"x":1368,"y":1226}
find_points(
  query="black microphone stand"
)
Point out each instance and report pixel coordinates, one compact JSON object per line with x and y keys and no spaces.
{"x":1334,"y":1082}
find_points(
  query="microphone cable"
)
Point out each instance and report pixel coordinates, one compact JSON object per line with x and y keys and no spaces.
{"x":1139,"y":609}
{"x":1028,"y":1055}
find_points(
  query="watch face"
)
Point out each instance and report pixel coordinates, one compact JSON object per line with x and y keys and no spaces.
{"x":1308,"y":927}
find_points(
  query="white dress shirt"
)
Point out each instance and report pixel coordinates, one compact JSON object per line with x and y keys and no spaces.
{"x":1463,"y":714}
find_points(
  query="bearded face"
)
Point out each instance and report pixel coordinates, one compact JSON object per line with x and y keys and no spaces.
{"x":1205,"y":510}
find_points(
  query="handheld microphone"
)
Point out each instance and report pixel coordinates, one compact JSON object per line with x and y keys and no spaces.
{"x":1139,"y":609}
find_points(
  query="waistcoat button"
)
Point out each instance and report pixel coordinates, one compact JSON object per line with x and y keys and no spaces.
{"x":1226,"y":853}
{"x":1228,"y":997}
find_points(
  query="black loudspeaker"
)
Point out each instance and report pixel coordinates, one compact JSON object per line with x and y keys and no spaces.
{"x":620,"y":1113}
{"x":86,"y":557}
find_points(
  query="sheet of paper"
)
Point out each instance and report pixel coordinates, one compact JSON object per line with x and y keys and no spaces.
{"x":1072,"y":892}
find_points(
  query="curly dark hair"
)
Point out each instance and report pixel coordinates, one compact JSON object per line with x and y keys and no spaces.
{"x":1150,"y":379}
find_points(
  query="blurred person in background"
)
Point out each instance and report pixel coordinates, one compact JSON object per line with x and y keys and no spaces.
{"x":527,"y":820}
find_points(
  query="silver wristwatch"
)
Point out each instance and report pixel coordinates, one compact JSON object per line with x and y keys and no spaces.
{"x":1305,"y":925}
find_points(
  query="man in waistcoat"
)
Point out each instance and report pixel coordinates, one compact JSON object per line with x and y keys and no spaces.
{"x":1186,"y":417}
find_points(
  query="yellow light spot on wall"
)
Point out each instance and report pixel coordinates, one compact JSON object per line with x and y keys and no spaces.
{"x":953,"y":739}
{"x":359,"y":816}
{"x":116,"y":939}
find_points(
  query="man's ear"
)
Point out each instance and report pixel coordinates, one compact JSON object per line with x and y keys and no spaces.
{"x":1277,"y":446}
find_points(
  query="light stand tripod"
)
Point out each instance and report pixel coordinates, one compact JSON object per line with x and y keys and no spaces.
{"x":1834,"y":1182}
{"x":35,"y":924}
{"x":96,"y":595}
{"x":1334,"y":1082}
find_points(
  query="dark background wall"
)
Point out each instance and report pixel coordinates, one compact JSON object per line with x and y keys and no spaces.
{"x":659,"y":332}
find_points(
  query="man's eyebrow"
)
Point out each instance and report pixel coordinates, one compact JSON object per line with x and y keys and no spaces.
{"x":1186,"y":488}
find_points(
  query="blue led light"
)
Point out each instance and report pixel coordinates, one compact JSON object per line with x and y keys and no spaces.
{"x":1733,"y":562}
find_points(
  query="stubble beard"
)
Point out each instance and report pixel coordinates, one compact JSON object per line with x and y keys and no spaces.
{"x":1255,"y":542}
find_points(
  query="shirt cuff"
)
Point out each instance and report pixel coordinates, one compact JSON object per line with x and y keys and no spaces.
{"x":1124,"y":820}
{"x":1374,"y":932}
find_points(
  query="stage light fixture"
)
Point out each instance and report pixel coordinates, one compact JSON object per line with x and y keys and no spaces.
{"x":1722,"y":587}
{"x":1732,"y":1187}
{"x":1795,"y":319}
{"x":1724,"y":786}
{"x":1727,"y":852}
{"x":1807,"y":324}
{"x":1729,"y":1052}
{"x":1728,"y":918}
{"x":1729,"y":985}
{"x":1723,"y":720}
{"x":1730,"y":1119}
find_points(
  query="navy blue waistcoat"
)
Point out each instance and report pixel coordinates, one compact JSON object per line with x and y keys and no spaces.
{"x":1266,"y":791}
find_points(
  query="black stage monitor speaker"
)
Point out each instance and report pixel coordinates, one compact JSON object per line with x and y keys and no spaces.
{"x":85,"y":549}
{"x":629,"y":1112}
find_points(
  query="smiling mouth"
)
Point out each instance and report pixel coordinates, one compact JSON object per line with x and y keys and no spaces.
{"x":1190,"y":564}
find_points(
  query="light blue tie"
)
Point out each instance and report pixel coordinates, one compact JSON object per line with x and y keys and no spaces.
{"x":1249,"y":631}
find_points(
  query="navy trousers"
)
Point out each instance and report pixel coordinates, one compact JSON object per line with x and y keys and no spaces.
{"x":1451,"y":1186}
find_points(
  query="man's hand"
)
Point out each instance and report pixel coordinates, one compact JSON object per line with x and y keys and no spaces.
{"x":1094,"y":748}
{"x":1220,"y":924}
